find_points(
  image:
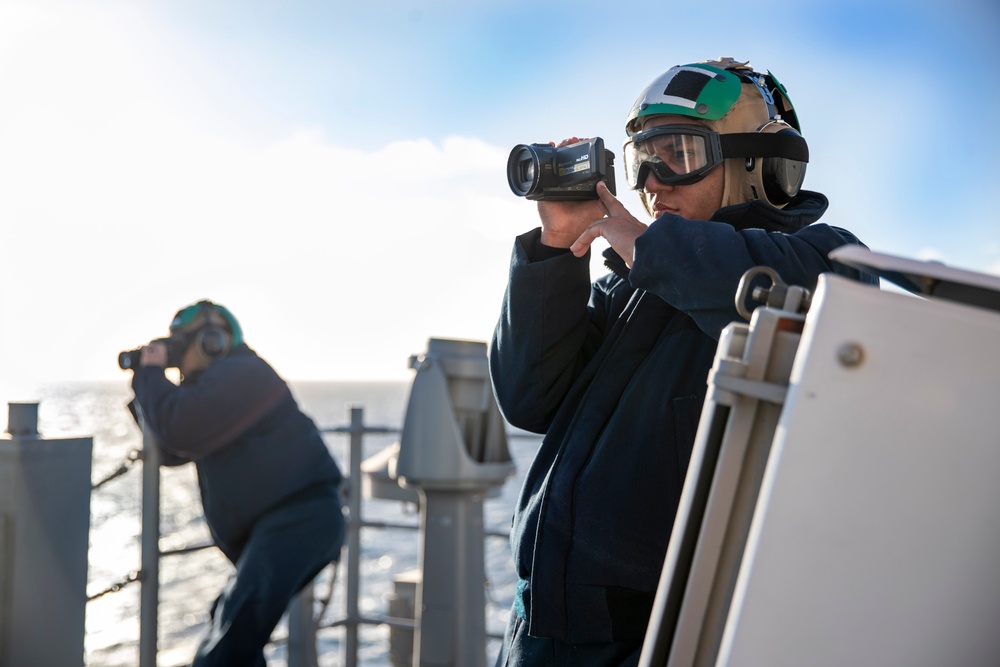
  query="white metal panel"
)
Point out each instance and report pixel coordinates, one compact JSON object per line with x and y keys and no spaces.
{"x":877,"y":534}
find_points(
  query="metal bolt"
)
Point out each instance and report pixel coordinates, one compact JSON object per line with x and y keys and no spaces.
{"x":850,"y":355}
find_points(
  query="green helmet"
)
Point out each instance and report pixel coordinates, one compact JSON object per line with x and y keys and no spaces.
{"x":730,"y":98}
{"x":706,"y":91}
{"x":697,"y":90}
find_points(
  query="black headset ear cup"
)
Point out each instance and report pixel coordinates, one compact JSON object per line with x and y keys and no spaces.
{"x":213,"y":342}
{"x":781,"y":177}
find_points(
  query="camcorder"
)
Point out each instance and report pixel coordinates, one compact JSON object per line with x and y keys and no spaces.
{"x":129,"y":360}
{"x":542,"y":172}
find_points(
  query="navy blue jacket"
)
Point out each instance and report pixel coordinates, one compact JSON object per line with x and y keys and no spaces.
{"x":615,"y":374}
{"x":253,"y":448}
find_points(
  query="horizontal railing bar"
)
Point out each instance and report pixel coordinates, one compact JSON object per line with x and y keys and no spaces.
{"x":180,"y":551}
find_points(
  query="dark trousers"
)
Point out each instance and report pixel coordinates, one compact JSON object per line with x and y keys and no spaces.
{"x":286,"y":550}
{"x":521,"y":650}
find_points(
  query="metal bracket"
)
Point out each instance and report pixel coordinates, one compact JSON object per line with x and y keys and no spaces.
{"x":790,"y":298}
{"x":768,"y":392}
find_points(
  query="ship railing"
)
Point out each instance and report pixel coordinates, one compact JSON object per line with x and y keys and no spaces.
{"x":302,"y":621}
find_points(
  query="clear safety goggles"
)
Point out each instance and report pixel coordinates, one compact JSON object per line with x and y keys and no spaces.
{"x":676,"y":154}
{"x":684,"y":154}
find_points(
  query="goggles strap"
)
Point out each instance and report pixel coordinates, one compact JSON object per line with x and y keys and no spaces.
{"x":754,"y":144}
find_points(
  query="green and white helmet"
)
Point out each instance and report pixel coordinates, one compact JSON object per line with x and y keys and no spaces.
{"x":764,"y":153}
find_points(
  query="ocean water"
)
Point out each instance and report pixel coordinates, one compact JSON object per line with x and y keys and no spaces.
{"x":190,"y":582}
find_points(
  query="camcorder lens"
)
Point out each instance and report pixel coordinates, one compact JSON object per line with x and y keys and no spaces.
{"x":527,"y":170}
{"x":522,"y":171}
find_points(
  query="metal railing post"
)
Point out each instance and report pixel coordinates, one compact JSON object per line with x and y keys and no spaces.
{"x":354,"y":536}
{"x":150,"y":557}
{"x":302,"y":630}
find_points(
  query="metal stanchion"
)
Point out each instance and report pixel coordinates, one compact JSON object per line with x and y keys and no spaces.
{"x":354,"y":537}
{"x":302,"y":630}
{"x":150,"y":557}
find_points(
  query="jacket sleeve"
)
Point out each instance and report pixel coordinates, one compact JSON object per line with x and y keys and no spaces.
{"x":195,"y":419}
{"x":696,"y":265}
{"x":549,"y":326}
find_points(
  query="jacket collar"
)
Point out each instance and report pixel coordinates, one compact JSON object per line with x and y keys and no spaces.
{"x":806,"y":208}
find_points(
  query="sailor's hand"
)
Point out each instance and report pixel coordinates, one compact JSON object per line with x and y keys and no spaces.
{"x":564,"y":221}
{"x":154,"y":354}
{"x":620,"y":228}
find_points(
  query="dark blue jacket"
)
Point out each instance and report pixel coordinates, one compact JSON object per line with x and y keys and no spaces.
{"x":615,"y":374}
{"x":253,"y":448}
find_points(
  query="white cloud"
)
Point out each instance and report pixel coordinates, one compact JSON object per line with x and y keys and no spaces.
{"x":316,"y":247}
{"x":121,"y":205}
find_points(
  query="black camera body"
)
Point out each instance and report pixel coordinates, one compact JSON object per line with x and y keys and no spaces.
{"x":129,"y":360}
{"x":542,"y":172}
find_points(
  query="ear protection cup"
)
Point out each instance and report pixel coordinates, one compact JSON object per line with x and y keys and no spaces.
{"x":234,"y":327}
{"x":209,"y":343}
{"x":776,"y":179}
{"x":208,"y":324}
{"x":212,"y":342}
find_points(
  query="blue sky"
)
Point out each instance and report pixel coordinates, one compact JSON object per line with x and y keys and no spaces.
{"x":333,"y":172}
